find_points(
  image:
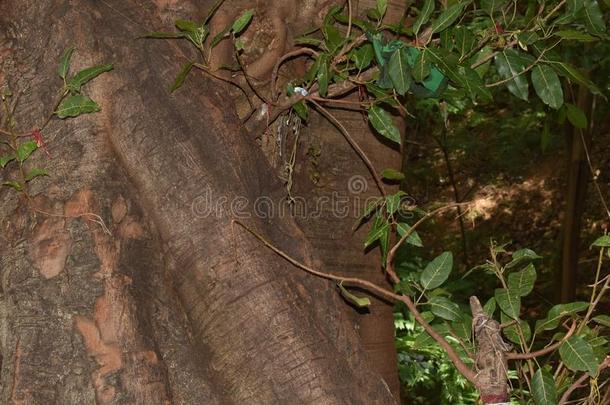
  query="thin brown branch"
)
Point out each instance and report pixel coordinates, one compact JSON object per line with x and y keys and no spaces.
{"x":280,"y":61}
{"x":545,"y":351}
{"x":353,"y":144}
{"x":579,"y":383}
{"x":468,"y":373}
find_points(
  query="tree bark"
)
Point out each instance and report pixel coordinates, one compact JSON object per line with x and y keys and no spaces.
{"x":173,"y":305}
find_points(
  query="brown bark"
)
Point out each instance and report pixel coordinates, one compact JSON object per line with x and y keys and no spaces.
{"x":173,"y":305}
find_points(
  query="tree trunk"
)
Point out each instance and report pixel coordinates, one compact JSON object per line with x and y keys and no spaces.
{"x":165,"y":301}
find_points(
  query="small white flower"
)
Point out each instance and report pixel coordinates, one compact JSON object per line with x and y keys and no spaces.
{"x":301,"y":91}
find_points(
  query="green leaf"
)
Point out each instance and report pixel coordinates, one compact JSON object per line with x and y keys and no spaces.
{"x":603,"y":320}
{"x":510,"y":64}
{"x":382,"y":6}
{"x":164,"y":35}
{"x":445,"y":308}
{"x":448,"y":17}
{"x":574,"y":75}
{"x":76,"y":105}
{"x":360,"y":302}
{"x":574,"y":35}
{"x":383,"y":124}
{"x":602,"y":241}
{"x":307,"y":41}
{"x":220,"y":36}
{"x":547,"y":86}
{"x":242,"y":22}
{"x":392,"y":174}
{"x":558,"y":312}
{"x":522,"y":256}
{"x":463,"y":329}
{"x":186,"y":68}
{"x":424,"y":15}
{"x":512,"y":332}
{"x":413,"y":238}
{"x":64,"y":63}
{"x":193,"y":32}
{"x":35,"y":172}
{"x":86,"y":75}
{"x":522,"y":282}
{"x":323,"y":75}
{"x":543,"y":388}
{"x":578,"y":355}
{"x":186,"y":25}
{"x":13,"y":184}
{"x":421,"y":67}
{"x":25,"y":150}
{"x":333,"y":38}
{"x":594,"y":21}
{"x":576,"y":116}
{"x":398,"y":69}
{"x":363,"y":56}
{"x":379,"y":229}
{"x":4,"y":160}
{"x":437,"y":271}
{"x":509,"y":302}
{"x":472,"y":82}
{"x":301,"y":109}
{"x":490,"y":307}
{"x":464,"y":40}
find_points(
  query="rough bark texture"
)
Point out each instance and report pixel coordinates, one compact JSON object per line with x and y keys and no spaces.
{"x":174,"y":305}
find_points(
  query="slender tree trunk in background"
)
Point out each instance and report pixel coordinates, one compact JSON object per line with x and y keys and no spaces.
{"x":579,"y":174}
{"x":173,"y":305}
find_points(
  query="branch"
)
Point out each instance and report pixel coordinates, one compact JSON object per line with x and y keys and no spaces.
{"x":276,"y":68}
{"x":580,"y":382}
{"x":354,"y":145}
{"x":542,"y":352}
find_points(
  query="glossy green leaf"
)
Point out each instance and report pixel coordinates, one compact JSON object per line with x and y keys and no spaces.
{"x":594,"y":20}
{"x":509,"y":302}
{"x":64,"y":63}
{"x":492,"y":6}
{"x":522,"y":282}
{"x":392,"y":174}
{"x":381,"y":120}
{"x":437,"y":271}
{"x":424,"y":15}
{"x":4,"y":160}
{"x":558,"y":312}
{"x":572,"y":9}
{"x":547,"y":86}
{"x":242,"y":22}
{"x":543,"y":388}
{"x":445,"y":308}
{"x":86,"y":75}
{"x":186,"y":25}
{"x":413,"y":238}
{"x":35,"y":172}
{"x":603,"y":320}
{"x":307,"y":41}
{"x":602,"y":241}
{"x":463,"y":328}
{"x":578,"y":355}
{"x":399,"y":71}
{"x":510,"y":65}
{"x":392,"y":202}
{"x":448,"y":17}
{"x":574,"y":75}
{"x":220,"y":36}
{"x":421,"y":67}
{"x":360,"y":302}
{"x":186,"y":68}
{"x":472,"y":82}
{"x":576,"y":116}
{"x":75,"y":105}
{"x":323,"y":75}
{"x":363,"y":56}
{"x":25,"y":150}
